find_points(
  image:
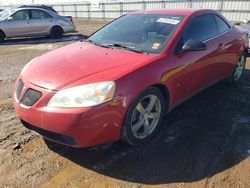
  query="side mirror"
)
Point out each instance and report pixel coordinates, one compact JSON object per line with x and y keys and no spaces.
{"x":10,"y":18}
{"x":193,"y":45}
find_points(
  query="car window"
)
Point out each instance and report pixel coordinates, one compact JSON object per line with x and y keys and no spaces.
{"x":146,"y":32}
{"x":201,"y":28}
{"x":222,"y":25}
{"x":38,"y":14}
{"x":21,"y":15}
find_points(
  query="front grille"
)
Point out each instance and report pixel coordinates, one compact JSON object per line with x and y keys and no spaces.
{"x":30,"y":97}
{"x":50,"y":135}
{"x":19,"y":88}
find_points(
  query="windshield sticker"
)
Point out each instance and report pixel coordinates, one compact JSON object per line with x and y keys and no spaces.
{"x":156,"y":45}
{"x":168,"y":21}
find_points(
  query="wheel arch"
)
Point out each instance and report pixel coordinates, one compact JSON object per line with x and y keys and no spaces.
{"x":165,"y":91}
{"x":53,"y":26}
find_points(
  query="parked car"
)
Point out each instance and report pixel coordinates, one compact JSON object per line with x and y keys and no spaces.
{"x":29,"y":22}
{"x":123,"y":80}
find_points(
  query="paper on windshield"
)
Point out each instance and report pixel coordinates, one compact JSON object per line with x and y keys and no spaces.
{"x":168,"y":21}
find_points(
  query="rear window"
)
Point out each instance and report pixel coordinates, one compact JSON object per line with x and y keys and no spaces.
{"x":38,"y":14}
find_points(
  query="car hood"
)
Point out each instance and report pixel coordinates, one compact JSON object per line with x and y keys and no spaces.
{"x":81,"y":63}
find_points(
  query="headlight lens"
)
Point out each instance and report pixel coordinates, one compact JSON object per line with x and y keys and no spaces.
{"x":84,"y":96}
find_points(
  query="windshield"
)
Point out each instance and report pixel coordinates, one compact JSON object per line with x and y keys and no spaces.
{"x":149,"y":33}
{"x":6,"y":13}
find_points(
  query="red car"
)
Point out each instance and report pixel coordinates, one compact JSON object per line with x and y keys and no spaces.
{"x":123,"y":80}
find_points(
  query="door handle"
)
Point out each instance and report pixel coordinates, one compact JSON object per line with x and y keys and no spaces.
{"x":28,"y":22}
{"x":220,"y":47}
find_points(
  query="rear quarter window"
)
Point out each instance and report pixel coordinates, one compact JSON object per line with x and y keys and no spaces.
{"x":222,"y":25}
{"x":38,"y":14}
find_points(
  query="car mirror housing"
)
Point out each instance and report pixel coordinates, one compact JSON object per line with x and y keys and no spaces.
{"x":10,"y":18}
{"x":193,"y":45}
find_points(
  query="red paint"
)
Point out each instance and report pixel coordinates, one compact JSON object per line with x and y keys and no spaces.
{"x":80,"y":63}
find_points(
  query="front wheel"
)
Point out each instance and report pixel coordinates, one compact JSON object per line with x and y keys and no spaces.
{"x":239,"y":69}
{"x":144,"y":117}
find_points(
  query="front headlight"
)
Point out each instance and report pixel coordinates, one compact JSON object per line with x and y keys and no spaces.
{"x":84,"y":96}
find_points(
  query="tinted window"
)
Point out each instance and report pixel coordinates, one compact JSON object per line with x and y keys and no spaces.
{"x":38,"y":14}
{"x":222,"y":25}
{"x":201,"y":28}
{"x":21,"y":15}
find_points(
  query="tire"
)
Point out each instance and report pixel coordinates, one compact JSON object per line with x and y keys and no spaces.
{"x":143,"y":119}
{"x":56,"y":32}
{"x":2,"y":36}
{"x":238,"y":70}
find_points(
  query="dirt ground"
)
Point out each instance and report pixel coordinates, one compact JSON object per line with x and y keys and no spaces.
{"x":205,"y":141}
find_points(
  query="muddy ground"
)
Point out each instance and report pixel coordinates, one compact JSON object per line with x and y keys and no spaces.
{"x":205,"y":141}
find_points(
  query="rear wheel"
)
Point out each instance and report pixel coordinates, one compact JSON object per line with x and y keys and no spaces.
{"x":56,"y":32}
{"x":2,"y":36}
{"x":239,"y":69}
{"x":144,"y":117}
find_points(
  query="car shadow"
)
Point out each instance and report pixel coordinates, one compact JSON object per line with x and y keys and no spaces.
{"x":200,"y":138}
{"x":41,"y":40}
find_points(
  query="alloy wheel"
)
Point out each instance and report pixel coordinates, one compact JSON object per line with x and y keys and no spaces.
{"x":239,"y":68}
{"x":146,"y":116}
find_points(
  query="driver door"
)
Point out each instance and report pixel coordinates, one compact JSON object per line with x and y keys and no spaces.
{"x":19,"y":24}
{"x":197,"y":68}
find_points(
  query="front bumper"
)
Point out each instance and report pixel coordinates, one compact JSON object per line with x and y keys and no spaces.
{"x":76,"y":127}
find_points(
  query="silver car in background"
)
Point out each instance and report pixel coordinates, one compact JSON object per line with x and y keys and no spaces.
{"x":29,"y":22}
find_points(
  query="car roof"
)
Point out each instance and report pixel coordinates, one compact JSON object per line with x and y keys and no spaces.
{"x":184,"y":12}
{"x":34,"y":5}
{"x":32,"y":8}
{"x":23,"y":8}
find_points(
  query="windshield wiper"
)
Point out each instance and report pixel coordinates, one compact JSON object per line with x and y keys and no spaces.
{"x":115,"y":45}
{"x":98,"y":44}
{"x":127,"y":48}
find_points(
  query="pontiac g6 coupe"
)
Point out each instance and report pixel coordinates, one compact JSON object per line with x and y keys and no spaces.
{"x":122,"y":81}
